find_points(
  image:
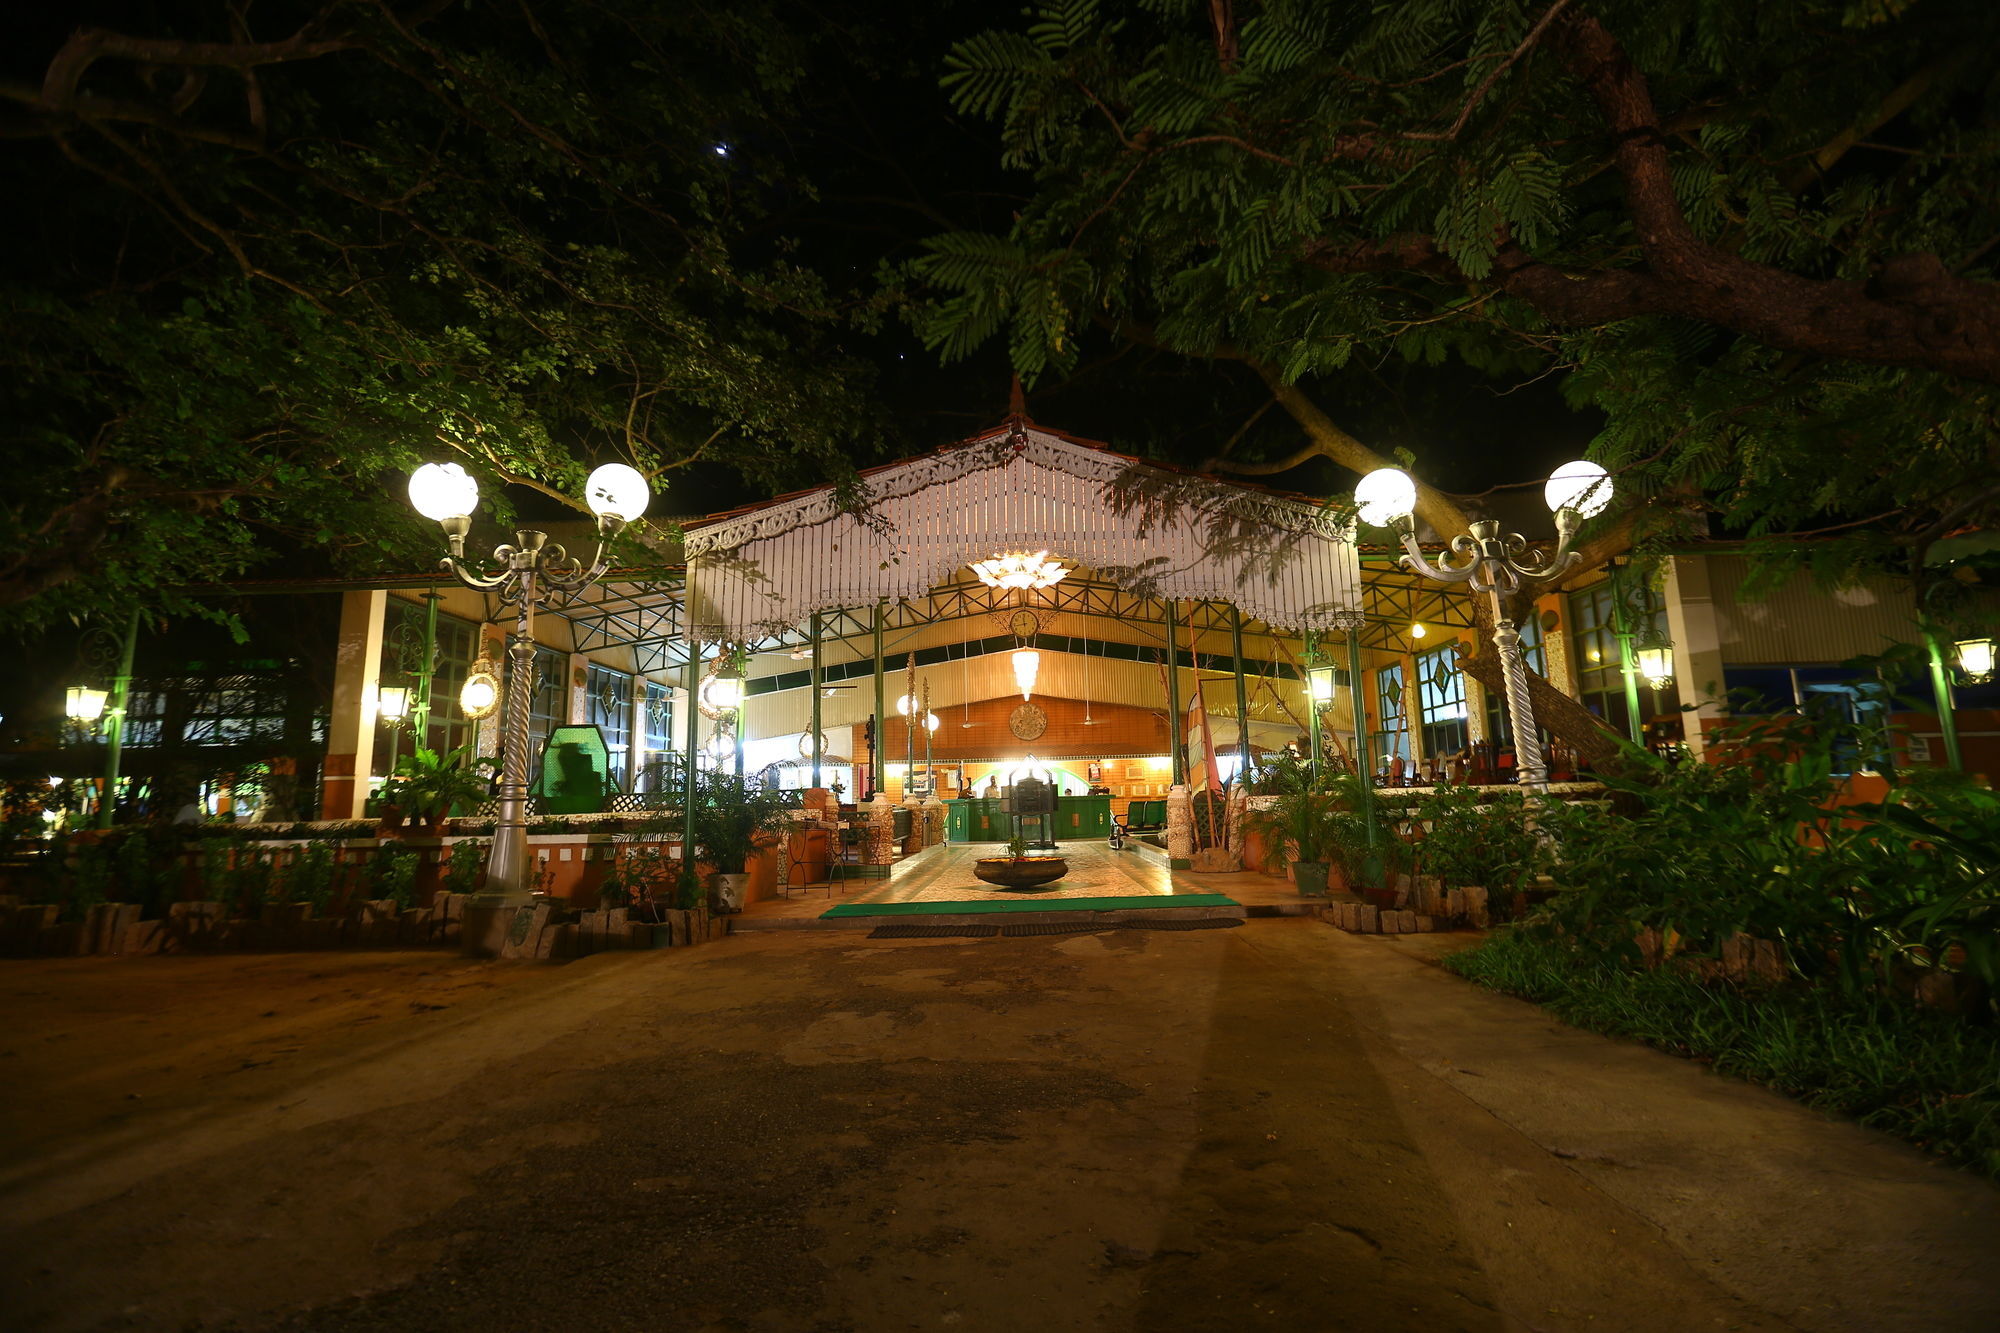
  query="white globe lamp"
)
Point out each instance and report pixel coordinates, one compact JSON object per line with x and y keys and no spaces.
{"x":442,"y":491}
{"x":1581,"y":486}
{"x":616,"y":491}
{"x":1385,"y":496}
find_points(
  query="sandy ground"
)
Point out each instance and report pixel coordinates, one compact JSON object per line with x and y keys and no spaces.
{"x":1273,"y":1126}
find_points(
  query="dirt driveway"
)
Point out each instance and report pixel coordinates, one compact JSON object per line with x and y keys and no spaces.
{"x":1276,"y":1126}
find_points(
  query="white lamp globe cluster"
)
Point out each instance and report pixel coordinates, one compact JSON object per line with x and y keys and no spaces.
{"x":1387,"y":496}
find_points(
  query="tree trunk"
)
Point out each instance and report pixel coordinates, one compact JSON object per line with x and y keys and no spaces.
{"x":1555,"y":712}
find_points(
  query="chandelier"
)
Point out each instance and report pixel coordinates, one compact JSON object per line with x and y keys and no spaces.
{"x":1027,"y":664}
{"x":1020,"y":571}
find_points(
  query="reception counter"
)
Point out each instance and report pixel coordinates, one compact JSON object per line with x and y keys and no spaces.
{"x":985,"y":819}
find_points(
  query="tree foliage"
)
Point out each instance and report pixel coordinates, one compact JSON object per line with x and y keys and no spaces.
{"x":279,"y":255}
{"x":1758,"y":238}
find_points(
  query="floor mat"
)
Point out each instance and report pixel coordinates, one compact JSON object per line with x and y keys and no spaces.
{"x":978,"y":906}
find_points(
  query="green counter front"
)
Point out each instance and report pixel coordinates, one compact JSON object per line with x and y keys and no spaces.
{"x":983,"y":819}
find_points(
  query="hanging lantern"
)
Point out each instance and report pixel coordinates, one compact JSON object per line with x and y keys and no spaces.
{"x":84,"y":704}
{"x":906,"y":705}
{"x":1975,"y":659}
{"x":1321,"y":682}
{"x":721,"y":695}
{"x":392,"y":702}
{"x":931,"y":722}
{"x":1027,"y":665}
{"x":1019,"y":570}
{"x":1656,"y":664}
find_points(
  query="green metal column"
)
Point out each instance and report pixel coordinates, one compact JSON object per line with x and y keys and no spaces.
{"x":420,"y":707}
{"x":1947,"y":716}
{"x":1311,"y":656}
{"x":813,"y":630}
{"x":691,"y":678}
{"x":114,"y":722}
{"x":1242,"y":695}
{"x":1627,"y":667}
{"x":1362,"y":764}
{"x":878,"y":771}
{"x":1176,"y":738}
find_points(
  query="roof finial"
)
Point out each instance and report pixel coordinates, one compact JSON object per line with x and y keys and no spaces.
{"x":1017,"y":402}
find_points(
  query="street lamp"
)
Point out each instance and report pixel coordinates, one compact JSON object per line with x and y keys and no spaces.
{"x":530,"y":572}
{"x":1975,"y":659}
{"x":479,"y":696}
{"x":83,"y":704}
{"x":1493,"y":564}
{"x":1656,"y":664}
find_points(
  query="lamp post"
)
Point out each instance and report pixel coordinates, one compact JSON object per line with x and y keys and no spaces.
{"x":1319,"y":694}
{"x":530,"y":572}
{"x":106,"y":652}
{"x":1974,"y":658}
{"x":1493,"y":564}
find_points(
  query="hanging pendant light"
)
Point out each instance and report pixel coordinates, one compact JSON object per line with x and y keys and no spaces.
{"x":1027,"y":665}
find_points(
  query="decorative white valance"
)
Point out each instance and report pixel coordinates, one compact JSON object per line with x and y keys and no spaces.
{"x":1287,"y":563}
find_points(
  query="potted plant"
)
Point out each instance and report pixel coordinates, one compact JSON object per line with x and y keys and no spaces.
{"x":1017,"y":869}
{"x":428,"y":783}
{"x":729,"y":817}
{"x":1299,"y":825}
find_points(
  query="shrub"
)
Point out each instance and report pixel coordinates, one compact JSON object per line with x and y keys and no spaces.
{"x":311,"y":875}
{"x":1477,"y":836}
{"x":1755,"y":844}
{"x":465,"y":867}
{"x":1930,"y":1079}
{"x":392,"y":874}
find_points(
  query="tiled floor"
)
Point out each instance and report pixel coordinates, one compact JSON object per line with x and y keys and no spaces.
{"x":944,"y":874}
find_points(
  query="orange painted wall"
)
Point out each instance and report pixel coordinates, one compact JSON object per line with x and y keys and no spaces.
{"x":1118,"y":729}
{"x":988,"y":744}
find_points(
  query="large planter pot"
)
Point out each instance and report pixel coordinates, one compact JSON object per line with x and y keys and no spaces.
{"x":1027,"y":873}
{"x":1310,"y":877}
{"x":729,"y":891}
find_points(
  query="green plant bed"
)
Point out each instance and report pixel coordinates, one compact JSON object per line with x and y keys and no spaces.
{"x":1928,"y":1078}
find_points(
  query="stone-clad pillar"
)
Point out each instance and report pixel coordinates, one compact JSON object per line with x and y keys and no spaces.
{"x":1180,"y":827}
{"x":1697,"y":634}
{"x":878,"y":839}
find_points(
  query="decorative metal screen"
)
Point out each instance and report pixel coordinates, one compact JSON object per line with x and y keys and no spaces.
{"x":1286,"y":562}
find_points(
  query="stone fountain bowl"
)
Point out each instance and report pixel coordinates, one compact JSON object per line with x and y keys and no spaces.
{"x":1027,"y":873}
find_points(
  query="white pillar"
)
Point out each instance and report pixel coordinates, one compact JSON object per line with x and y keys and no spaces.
{"x":350,"y":732}
{"x":636,"y":750}
{"x":1697,"y":636}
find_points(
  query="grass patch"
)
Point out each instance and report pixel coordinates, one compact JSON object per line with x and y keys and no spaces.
{"x":1928,"y":1078}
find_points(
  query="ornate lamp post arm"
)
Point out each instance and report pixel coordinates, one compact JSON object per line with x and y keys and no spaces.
{"x":528,"y":573}
{"x":1497,"y":565}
